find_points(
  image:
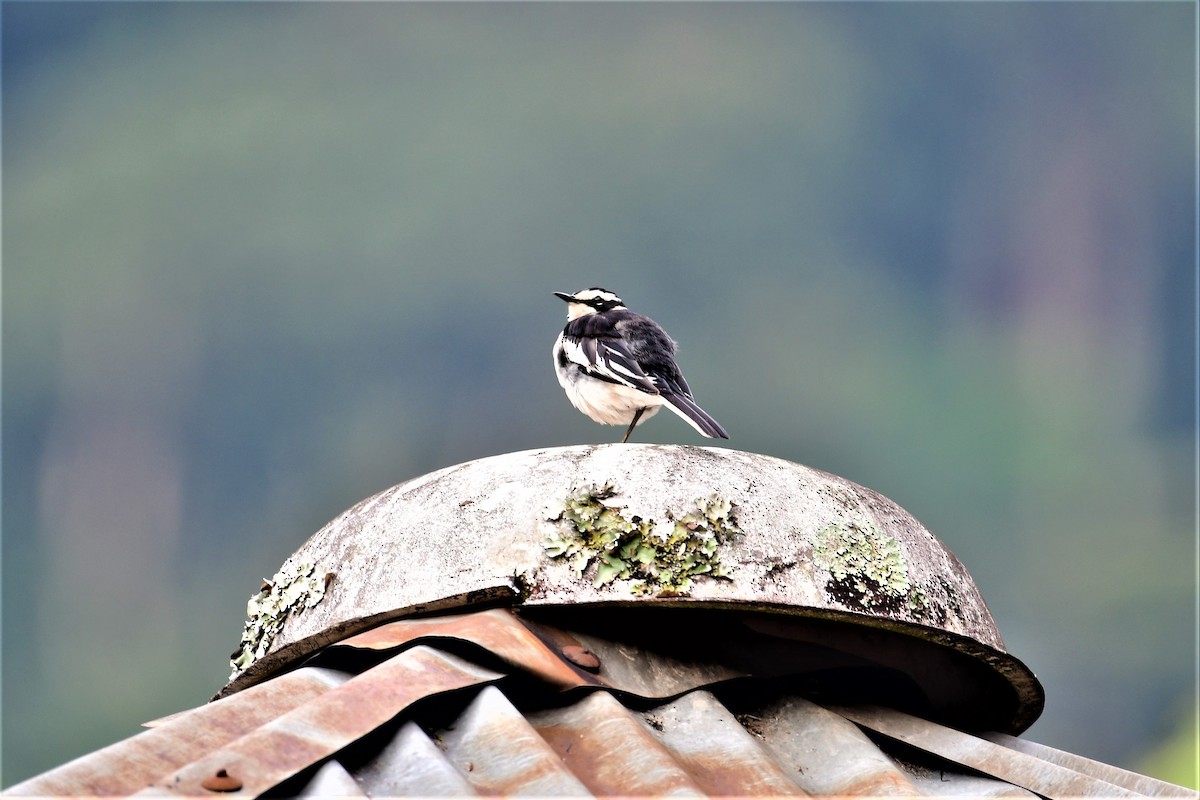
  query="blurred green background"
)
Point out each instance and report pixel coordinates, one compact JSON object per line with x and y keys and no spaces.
{"x":264,"y":260}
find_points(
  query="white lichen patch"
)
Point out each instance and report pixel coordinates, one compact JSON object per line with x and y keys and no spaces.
{"x":867,"y":568}
{"x":298,"y":585}
{"x":660,"y":557}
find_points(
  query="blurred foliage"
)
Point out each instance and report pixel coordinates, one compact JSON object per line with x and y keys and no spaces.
{"x":1177,"y":758}
{"x":263,"y":260}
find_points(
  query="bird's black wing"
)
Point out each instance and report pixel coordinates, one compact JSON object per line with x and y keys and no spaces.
{"x":595,"y":344}
{"x":654,"y":352}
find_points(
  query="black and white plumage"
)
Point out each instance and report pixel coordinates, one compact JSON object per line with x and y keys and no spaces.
{"x":619,"y":367}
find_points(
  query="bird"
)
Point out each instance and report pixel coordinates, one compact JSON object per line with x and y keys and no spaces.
{"x":618,"y":367}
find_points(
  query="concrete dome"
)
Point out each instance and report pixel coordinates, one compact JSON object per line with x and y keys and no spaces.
{"x":785,"y":550}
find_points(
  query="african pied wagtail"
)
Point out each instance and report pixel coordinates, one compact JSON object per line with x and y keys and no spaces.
{"x":619,"y":367}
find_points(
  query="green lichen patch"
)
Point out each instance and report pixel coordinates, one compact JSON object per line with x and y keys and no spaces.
{"x":867,"y":569}
{"x":297,"y":586}
{"x":657,"y":557}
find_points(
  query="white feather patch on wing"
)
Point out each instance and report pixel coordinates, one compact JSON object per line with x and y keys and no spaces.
{"x":608,"y":362}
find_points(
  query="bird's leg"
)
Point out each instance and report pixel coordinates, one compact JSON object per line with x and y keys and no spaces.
{"x":637,"y":415}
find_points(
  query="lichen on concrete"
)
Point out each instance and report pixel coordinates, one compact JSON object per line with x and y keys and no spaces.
{"x":867,"y":568}
{"x":661,"y":557}
{"x":298,"y":585}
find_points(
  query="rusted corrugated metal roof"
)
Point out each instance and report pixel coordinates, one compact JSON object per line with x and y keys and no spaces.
{"x":491,"y":703}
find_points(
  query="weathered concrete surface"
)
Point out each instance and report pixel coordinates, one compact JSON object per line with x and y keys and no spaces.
{"x":810,"y":543}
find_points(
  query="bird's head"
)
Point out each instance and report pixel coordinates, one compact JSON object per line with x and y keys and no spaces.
{"x":589,"y":301}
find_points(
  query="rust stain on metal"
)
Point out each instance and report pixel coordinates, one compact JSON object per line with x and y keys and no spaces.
{"x":581,"y":657}
{"x":132,"y":764}
{"x":497,"y":630}
{"x":631,"y":666}
{"x":603,"y":742}
{"x":221,"y":782}
{"x":880,"y":784}
{"x":298,"y":739}
{"x":607,"y":748}
{"x":503,"y":754}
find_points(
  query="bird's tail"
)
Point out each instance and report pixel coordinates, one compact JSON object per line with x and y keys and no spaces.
{"x":695,"y":416}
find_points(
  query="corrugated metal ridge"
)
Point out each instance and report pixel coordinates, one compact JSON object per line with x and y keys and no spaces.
{"x":310,"y":733}
{"x":132,"y":764}
{"x":1142,"y":784}
{"x":480,"y":704}
{"x":1023,"y":769}
{"x":692,"y":746}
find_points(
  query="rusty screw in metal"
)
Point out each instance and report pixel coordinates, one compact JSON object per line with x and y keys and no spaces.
{"x":581,"y":657}
{"x":221,"y":782}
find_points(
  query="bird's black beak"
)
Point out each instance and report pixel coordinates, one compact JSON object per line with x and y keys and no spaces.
{"x":570,"y":298}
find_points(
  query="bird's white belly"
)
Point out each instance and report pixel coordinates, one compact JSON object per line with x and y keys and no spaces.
{"x":606,"y":403}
